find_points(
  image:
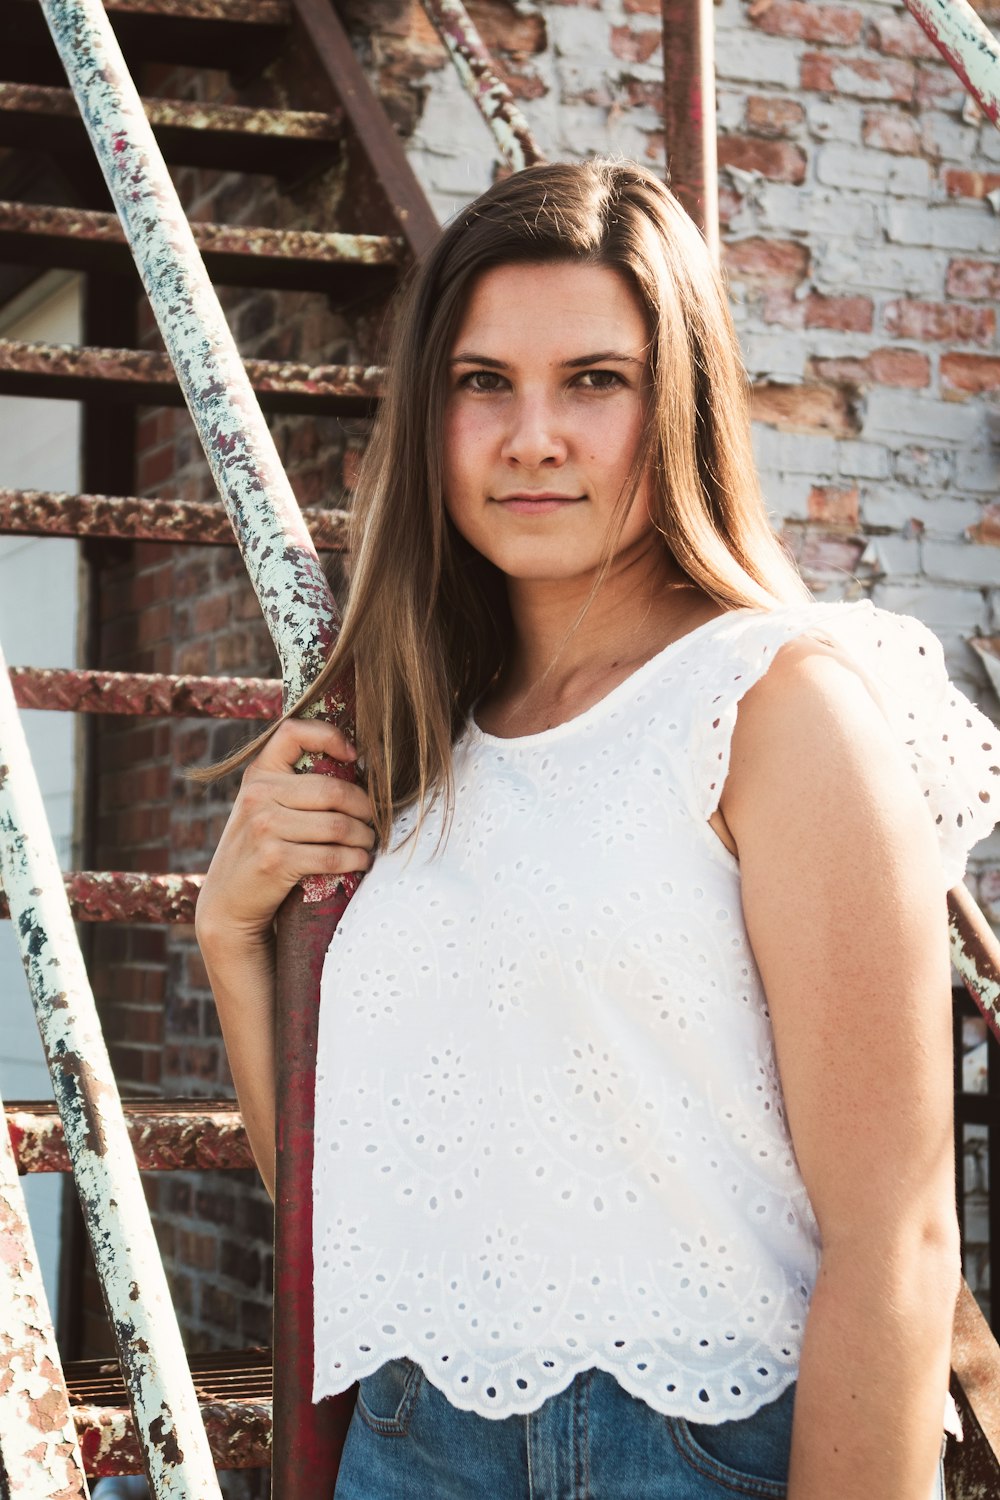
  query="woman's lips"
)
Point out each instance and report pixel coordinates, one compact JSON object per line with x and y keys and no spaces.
{"x":536,"y":505}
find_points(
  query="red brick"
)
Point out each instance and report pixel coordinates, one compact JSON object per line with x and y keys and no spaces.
{"x":505,"y":29}
{"x":969,"y":375}
{"x":832,"y":506}
{"x":640,"y":7}
{"x":777,"y":160}
{"x":852,"y":314}
{"x":804,"y":408}
{"x":890,"y":130}
{"x":858,"y":77}
{"x":634,"y":46}
{"x":780,"y":305}
{"x":902,"y":367}
{"x":889,"y":366}
{"x":763,"y":262}
{"x":936,"y":321}
{"x":978,"y":280}
{"x":807,"y":22}
{"x":962,"y":184}
{"x":900,"y":36}
{"x":771,"y":116}
{"x":987,"y":532}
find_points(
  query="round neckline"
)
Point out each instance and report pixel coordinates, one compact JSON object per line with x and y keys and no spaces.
{"x":619,"y":690}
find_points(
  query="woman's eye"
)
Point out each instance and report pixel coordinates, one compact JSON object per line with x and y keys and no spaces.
{"x":600,"y":380}
{"x":483,"y":381}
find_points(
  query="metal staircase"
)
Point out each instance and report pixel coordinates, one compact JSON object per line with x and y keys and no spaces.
{"x":62,"y":1424}
{"x":93,"y":1418}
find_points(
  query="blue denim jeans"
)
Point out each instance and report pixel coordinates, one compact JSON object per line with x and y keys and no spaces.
{"x":592,"y":1441}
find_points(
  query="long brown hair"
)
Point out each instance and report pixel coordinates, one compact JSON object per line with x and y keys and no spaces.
{"x":427,"y":626}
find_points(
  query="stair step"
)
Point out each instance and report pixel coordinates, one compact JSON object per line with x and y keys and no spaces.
{"x":88,"y":692}
{"x":197,"y":33}
{"x":146,"y":378}
{"x":234,"y":1394}
{"x":127,"y":896}
{"x":343,"y":265}
{"x":276,"y":142}
{"x":130,"y":518}
{"x":167,"y":1135}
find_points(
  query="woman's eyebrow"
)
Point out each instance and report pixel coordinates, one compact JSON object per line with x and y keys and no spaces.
{"x":605,"y":356}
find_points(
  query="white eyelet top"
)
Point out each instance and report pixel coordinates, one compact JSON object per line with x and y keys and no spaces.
{"x":549,"y":1126}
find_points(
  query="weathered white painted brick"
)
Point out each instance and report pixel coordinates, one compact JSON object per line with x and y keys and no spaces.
{"x":730,"y":109}
{"x":858,"y":460}
{"x":819,"y":213}
{"x":978,"y":469}
{"x":846,"y":266}
{"x":945,"y":137}
{"x":581,"y":35}
{"x":877,"y":171}
{"x":925,"y":468}
{"x":889,"y":505}
{"x":894,"y":556}
{"x":903,"y":414}
{"x":936,"y":605}
{"x":963,"y":562}
{"x":787,"y":496}
{"x":948,"y":226}
{"x":794,"y":452}
{"x":752,"y":58}
{"x":989,"y":142}
{"x":780,"y":356}
{"x":832,"y":119}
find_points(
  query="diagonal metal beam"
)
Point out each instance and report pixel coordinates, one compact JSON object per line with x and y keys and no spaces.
{"x":967,"y":44}
{"x":133,"y":1282}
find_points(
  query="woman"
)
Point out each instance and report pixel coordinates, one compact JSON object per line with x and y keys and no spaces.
{"x":633,"y":1104}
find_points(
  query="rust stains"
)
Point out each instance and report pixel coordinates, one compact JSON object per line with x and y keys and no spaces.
{"x":166,"y":1136}
{"x":75,"y":372}
{"x":53,"y":513}
{"x":146,"y":693}
{"x":125,"y":896}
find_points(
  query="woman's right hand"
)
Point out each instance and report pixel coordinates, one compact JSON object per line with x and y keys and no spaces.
{"x":284,"y":825}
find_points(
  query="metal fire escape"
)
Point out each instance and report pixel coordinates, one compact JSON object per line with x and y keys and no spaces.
{"x":181,"y":1420}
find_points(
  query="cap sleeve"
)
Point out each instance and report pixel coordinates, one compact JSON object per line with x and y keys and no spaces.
{"x":953,"y":748}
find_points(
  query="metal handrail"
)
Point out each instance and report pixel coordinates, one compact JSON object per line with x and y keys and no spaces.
{"x":967,"y":44}
{"x":153,"y":1362}
{"x":38,"y":1442}
{"x":478,"y":73}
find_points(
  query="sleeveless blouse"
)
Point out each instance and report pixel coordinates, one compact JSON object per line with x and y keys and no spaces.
{"x":550,"y":1133}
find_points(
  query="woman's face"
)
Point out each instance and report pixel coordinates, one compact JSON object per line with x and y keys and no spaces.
{"x":545,"y":405}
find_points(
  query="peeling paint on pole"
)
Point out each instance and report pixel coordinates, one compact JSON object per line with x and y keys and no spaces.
{"x":38,"y":1446}
{"x":965,"y":42}
{"x":477,"y":71}
{"x":125,"y":1252}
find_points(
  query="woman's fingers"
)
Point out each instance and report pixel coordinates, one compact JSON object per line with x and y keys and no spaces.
{"x":294,"y":736}
{"x":307,"y":793}
{"x":294,"y":826}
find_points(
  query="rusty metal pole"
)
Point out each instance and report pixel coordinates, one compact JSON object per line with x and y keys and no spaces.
{"x":689,"y":112}
{"x":39,"y":1452}
{"x":302,"y":618}
{"x":478,"y":73}
{"x":967,"y":44}
{"x":154,"y":1365}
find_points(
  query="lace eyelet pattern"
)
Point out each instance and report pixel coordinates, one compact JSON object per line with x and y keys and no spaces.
{"x":550,"y":1134}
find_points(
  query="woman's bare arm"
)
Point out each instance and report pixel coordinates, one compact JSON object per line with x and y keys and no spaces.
{"x":846,"y":914}
{"x":282,"y":826}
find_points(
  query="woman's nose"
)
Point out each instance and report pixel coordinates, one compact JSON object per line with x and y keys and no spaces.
{"x":534,"y":436}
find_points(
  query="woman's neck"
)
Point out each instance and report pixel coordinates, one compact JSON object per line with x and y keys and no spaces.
{"x":571,"y":646}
